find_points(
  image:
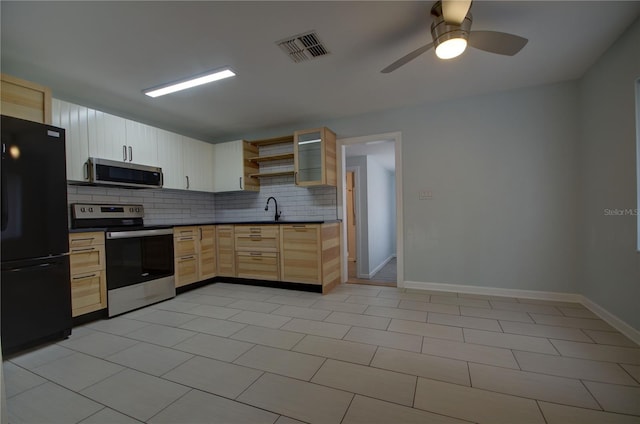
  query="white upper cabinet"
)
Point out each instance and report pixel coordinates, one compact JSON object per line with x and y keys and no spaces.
{"x":107,"y":136}
{"x":231,"y":167}
{"x":197,"y":161}
{"x":142,"y":143}
{"x":228,"y":172}
{"x":74,"y":119}
{"x":187,"y":163}
{"x":170,"y":159}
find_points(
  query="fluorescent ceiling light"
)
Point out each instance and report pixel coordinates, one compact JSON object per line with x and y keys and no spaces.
{"x":309,"y":141}
{"x":191,"y":82}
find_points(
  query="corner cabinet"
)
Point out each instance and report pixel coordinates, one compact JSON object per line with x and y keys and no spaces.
{"x":208,"y":262}
{"x":314,"y":153}
{"x":225,"y":250}
{"x":232,"y":167}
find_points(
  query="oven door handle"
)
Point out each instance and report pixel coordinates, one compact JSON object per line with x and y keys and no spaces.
{"x":138,"y":233}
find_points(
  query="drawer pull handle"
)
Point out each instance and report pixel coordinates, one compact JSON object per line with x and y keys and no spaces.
{"x":82,"y":239}
{"x":256,"y":254}
{"x":86,"y":249}
{"x":255,"y":230}
{"x":186,"y":258}
{"x":84,"y":277}
{"x":186,"y":238}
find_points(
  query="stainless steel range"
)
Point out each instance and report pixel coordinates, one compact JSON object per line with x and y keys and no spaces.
{"x":139,"y":259}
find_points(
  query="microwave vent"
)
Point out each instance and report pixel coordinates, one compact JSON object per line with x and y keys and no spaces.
{"x":303,"y":47}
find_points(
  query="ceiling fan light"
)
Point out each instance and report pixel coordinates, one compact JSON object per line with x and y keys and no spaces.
{"x":451,"y":48}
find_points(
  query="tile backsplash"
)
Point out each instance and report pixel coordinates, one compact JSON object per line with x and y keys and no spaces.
{"x":161,"y":206}
{"x":172,"y":207}
{"x":295,"y":203}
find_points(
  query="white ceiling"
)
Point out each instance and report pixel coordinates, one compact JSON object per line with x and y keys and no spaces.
{"x":103,"y":54}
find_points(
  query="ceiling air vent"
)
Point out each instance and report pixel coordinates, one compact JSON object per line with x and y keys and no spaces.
{"x":303,"y":46}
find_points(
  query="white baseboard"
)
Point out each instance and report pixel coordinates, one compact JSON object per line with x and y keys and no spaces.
{"x":605,"y":315}
{"x":379,"y":267}
{"x":495,"y":291}
{"x":612,"y":320}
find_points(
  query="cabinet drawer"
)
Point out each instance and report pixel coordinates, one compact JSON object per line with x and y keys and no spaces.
{"x":185,"y":231}
{"x":88,"y":293}
{"x":256,"y":243}
{"x":86,"y":259}
{"x":186,"y":270}
{"x":85,"y":239}
{"x":267,"y":231}
{"x":258,"y":265}
{"x":184,"y":246}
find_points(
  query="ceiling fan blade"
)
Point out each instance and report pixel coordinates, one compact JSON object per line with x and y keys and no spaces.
{"x":497,"y":42}
{"x":407,"y":58}
{"x":454,"y":11}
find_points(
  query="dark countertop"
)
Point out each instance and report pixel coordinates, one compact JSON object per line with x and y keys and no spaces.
{"x":284,"y":222}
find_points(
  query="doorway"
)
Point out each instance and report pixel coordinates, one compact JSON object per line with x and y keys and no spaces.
{"x":370,"y":209}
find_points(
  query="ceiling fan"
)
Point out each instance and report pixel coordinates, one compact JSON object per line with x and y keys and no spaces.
{"x":451,"y":32}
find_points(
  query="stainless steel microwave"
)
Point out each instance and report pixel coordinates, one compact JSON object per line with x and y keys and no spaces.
{"x":125,"y":174}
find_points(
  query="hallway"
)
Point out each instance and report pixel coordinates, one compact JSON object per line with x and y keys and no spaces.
{"x":386,"y":276}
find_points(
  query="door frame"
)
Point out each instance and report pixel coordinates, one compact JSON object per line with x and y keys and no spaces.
{"x":358,"y":208}
{"x":341,"y":143}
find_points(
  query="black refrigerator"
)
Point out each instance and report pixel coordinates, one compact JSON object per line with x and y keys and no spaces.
{"x":35,"y":291}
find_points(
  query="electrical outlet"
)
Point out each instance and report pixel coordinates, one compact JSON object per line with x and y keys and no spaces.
{"x":425,"y":195}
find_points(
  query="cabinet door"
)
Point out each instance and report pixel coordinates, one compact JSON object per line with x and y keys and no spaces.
{"x":142,"y":143}
{"x":107,"y":136}
{"x":207,"y":251}
{"x":186,"y":270}
{"x":198,"y":164}
{"x":88,"y":293}
{"x":74,"y":119}
{"x":300,"y":253}
{"x":228,"y":173}
{"x":226,"y":250}
{"x":25,"y":100}
{"x":315,"y":157}
{"x":170,"y":159}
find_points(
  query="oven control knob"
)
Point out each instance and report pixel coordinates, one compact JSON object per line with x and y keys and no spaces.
{"x":90,"y":209}
{"x":137,"y":209}
{"x":82,"y":209}
{"x":130,"y":209}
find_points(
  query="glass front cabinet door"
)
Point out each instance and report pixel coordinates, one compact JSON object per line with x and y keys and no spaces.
{"x":315,"y":157}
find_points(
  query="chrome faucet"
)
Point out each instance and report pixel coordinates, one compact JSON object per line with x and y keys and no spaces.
{"x":266,"y":208}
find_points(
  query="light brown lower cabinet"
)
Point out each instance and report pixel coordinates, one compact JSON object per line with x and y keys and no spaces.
{"x":207,"y":246}
{"x":258,"y":265}
{"x":257,"y":248}
{"x":225,"y":248}
{"x":88,"y":275}
{"x":310,"y":253}
{"x":185,"y":248}
{"x":293,"y":253}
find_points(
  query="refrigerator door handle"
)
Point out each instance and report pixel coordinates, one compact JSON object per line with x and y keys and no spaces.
{"x":31,"y":268}
{"x":5,"y":195}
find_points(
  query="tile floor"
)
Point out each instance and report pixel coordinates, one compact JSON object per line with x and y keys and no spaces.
{"x":227,"y":353}
{"x":386,"y":276}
